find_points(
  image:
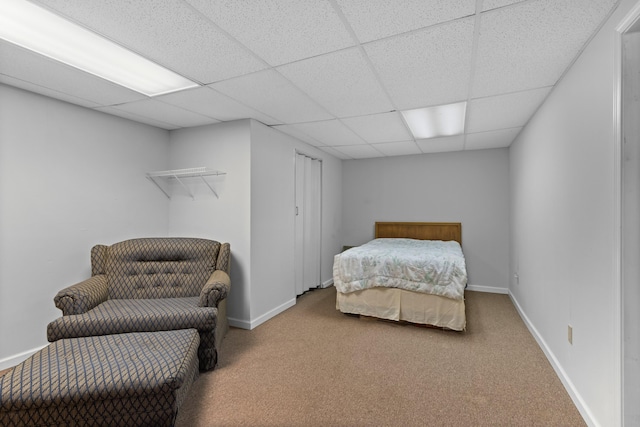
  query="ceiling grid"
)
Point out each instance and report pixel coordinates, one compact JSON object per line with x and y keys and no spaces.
{"x":333,"y":73}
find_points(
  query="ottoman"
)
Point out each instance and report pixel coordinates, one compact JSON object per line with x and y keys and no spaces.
{"x":135,"y":379}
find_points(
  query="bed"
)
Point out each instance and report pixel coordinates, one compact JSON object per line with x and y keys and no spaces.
{"x":363,"y":285}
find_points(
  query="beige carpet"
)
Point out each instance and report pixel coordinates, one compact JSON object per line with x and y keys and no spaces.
{"x":314,"y":366}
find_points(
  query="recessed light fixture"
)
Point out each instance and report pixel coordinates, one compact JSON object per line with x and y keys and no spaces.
{"x":431,"y":122}
{"x":34,"y":28}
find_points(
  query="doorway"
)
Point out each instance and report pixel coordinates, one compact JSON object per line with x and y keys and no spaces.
{"x":308,"y":208}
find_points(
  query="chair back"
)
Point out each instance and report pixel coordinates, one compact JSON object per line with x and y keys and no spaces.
{"x":169,"y":267}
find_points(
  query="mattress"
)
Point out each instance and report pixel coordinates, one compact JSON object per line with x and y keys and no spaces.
{"x":432,"y":267}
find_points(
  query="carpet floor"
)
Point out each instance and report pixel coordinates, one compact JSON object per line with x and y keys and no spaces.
{"x":314,"y":366}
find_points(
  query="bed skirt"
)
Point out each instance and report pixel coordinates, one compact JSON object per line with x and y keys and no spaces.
{"x":400,"y":304}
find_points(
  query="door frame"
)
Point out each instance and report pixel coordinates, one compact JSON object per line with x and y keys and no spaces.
{"x":622,"y":254}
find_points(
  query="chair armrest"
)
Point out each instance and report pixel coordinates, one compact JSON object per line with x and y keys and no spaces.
{"x":215,"y":290}
{"x":83,"y":296}
{"x":224,"y":258}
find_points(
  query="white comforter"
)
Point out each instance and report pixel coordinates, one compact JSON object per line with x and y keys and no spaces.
{"x":429,"y":266}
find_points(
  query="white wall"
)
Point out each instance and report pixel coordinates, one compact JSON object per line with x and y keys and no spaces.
{"x":225,"y":147}
{"x":272,"y":218}
{"x":254,"y":212}
{"x":69,"y":178}
{"x":470,"y":187}
{"x":272,"y":231}
{"x":563,"y":206}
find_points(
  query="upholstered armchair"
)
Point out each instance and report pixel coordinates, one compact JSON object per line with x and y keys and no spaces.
{"x":148,"y":285}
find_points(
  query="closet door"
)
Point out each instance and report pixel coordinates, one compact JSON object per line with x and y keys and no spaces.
{"x":308,"y":223}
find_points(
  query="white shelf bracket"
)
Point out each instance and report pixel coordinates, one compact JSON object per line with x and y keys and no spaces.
{"x":177,"y":178}
{"x":180,"y":174}
{"x":210,"y":187}
{"x":159,"y":186}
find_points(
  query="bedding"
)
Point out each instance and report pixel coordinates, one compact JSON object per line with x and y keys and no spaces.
{"x":408,"y":306}
{"x":425,"y":266}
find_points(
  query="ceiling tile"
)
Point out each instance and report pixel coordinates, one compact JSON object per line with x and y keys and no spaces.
{"x":335,"y":153}
{"x":504,"y":111}
{"x":365,"y":151}
{"x":373,"y":20}
{"x":329,"y":132}
{"x":531,"y":44}
{"x":342,"y":82}
{"x":127,"y":115}
{"x":492,"y":139}
{"x":494,"y":4}
{"x":268,"y":91}
{"x":166,"y":113}
{"x":325,"y":90}
{"x":210,"y":103}
{"x":169,"y":32}
{"x":46,"y":91}
{"x":428,"y":67}
{"x":386,"y":127}
{"x":28,"y":66}
{"x":439,"y":145}
{"x":280,"y":32}
{"x":402,"y":148}
{"x":294,"y":132}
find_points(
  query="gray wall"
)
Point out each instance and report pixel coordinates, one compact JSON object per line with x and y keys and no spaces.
{"x":565,"y":216}
{"x":273,"y":220}
{"x":225,"y":147}
{"x":254,"y":211}
{"x":470,"y":187}
{"x":70,"y":178}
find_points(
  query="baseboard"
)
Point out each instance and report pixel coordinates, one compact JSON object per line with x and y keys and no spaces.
{"x":327,"y":283}
{"x":568,"y":384}
{"x":244,"y":324}
{"x":11,"y":361}
{"x":489,"y":289}
{"x":237,"y":323}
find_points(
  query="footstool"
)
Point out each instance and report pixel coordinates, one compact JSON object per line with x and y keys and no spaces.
{"x":130,"y":379}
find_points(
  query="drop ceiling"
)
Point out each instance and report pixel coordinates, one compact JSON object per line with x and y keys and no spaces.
{"x":333,"y":73}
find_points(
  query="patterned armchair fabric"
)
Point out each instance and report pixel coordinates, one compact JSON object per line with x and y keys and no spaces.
{"x":153,"y":284}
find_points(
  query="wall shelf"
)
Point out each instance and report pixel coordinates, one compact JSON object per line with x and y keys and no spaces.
{"x":179,"y":175}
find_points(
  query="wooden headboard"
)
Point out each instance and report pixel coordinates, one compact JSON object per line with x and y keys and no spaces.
{"x":421,"y":230}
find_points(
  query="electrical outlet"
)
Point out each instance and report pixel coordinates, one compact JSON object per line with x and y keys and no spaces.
{"x":517,"y":277}
{"x":570,"y":334}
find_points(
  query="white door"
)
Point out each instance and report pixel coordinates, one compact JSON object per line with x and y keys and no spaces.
{"x":307,"y":223}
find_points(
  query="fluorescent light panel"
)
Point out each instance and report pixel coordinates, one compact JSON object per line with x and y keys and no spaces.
{"x":48,"y":34}
{"x":431,"y":122}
